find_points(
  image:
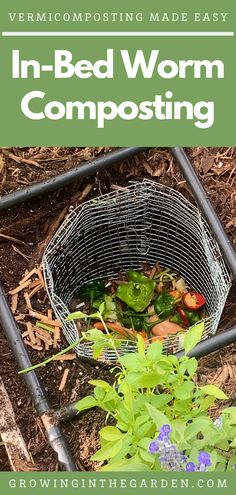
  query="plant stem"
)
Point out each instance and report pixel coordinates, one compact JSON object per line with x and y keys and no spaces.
{"x":38,"y":365}
{"x":138,"y":315}
{"x":112,"y":341}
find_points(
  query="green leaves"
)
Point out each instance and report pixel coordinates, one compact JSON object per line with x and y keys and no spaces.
{"x":102,"y":384}
{"x":78,"y":315}
{"x":214,"y":391}
{"x":138,"y":380}
{"x":110,"y":433}
{"x":94,"y":335}
{"x":193,"y":336}
{"x":108,"y":451}
{"x":107,"y":307}
{"x":183,"y":390}
{"x":188,"y":365}
{"x":197,"y":426}
{"x":141,"y":346}
{"x":100,"y":341}
{"x":133,"y":362}
{"x":152,"y":389}
{"x":231,"y":464}
{"x":158,"y":417}
{"x":160,"y":401}
{"x":126,"y":466}
{"x":233,"y":443}
{"x":205,"y":403}
{"x":154,"y":352}
{"x":230,"y":414}
{"x":86,"y":403}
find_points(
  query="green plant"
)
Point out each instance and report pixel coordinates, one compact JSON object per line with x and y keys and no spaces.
{"x":51,"y":358}
{"x":110,"y":308}
{"x":99,"y":341}
{"x":139,"y":321}
{"x":154,"y":393}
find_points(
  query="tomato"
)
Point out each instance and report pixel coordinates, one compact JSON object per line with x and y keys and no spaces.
{"x":194,"y":300}
{"x":183,"y":316}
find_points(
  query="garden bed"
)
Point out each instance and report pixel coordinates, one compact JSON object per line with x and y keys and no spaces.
{"x":25,"y":232}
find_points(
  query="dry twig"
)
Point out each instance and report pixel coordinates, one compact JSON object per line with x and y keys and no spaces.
{"x":64,"y":379}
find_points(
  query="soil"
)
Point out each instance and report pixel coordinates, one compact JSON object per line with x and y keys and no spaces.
{"x":32,"y":224}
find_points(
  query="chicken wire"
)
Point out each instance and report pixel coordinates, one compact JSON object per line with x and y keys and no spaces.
{"x":142,"y":223}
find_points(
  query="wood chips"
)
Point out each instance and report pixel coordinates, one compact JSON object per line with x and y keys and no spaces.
{"x":42,"y":330}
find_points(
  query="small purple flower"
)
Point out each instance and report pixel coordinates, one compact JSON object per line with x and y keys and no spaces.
{"x":190,"y":467}
{"x":153,"y":447}
{"x":172,"y":459}
{"x":165,"y":429}
{"x":204,"y":458}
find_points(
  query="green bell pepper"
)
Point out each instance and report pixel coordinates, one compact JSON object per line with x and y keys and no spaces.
{"x":176,"y":318}
{"x":137,"y":277}
{"x":135,"y":294}
{"x":92,"y":290}
{"x":192,"y":316}
{"x":164,"y":304}
{"x":134,"y":320}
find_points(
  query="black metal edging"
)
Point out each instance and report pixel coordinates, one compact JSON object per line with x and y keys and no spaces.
{"x":83,"y":169}
{"x":55,"y":436}
{"x":206,"y":207}
{"x":212,"y":344}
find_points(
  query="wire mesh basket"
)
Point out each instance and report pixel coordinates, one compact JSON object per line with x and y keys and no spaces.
{"x":143,"y":223}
